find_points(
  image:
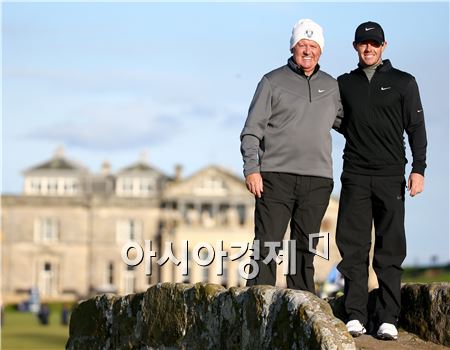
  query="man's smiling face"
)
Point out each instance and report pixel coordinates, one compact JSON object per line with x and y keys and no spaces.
{"x":306,"y":55}
{"x":369,"y":52}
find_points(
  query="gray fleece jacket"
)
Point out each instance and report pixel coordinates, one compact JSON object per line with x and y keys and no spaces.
{"x":289,"y":122}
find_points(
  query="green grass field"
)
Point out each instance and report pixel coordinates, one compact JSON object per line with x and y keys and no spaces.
{"x":426,"y":274}
{"x":21,"y":330}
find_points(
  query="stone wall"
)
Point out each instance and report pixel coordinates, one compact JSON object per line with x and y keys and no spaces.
{"x":426,"y":311}
{"x":207,"y":316}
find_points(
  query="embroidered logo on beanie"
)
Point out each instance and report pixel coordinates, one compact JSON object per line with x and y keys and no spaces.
{"x":307,"y":29}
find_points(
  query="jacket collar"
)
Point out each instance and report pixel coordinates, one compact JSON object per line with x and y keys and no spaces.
{"x":299,"y":70}
{"x":383,"y":67}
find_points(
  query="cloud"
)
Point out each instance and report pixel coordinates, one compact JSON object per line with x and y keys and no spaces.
{"x":132,"y":124}
{"x":114,"y":127}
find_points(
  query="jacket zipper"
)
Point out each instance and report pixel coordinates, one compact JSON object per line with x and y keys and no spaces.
{"x":309,"y":88}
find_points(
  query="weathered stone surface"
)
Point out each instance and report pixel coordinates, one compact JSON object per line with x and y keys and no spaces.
{"x":90,"y":324}
{"x":426,"y":311}
{"x":207,"y":316}
{"x":231,"y":319}
{"x":126,"y":330}
{"x":165,"y":314}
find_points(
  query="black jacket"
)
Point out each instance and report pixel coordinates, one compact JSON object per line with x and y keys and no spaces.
{"x":376,"y":114}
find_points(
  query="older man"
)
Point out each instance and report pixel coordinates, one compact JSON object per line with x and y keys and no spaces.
{"x":380,"y":104}
{"x":286,"y":148}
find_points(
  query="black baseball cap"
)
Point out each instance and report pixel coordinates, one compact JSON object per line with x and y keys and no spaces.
{"x":369,"y":31}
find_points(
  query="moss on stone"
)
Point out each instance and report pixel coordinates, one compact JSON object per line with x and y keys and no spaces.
{"x":165,"y":315}
{"x":207,"y":316}
{"x":91,"y":321}
{"x":127,"y":321}
{"x":426,"y":311}
{"x":282,"y":331}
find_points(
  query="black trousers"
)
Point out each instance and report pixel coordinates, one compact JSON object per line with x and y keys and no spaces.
{"x":363,"y":199}
{"x":301,"y":199}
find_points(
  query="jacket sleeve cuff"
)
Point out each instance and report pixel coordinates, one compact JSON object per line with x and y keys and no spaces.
{"x":252,"y":170}
{"x":418,"y":170}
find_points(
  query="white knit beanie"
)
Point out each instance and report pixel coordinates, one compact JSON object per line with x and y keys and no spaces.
{"x":307,"y":29}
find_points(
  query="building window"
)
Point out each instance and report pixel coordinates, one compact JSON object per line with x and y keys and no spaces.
{"x":135,"y":187}
{"x":110,"y":273}
{"x":132,"y":230}
{"x":242,"y":212}
{"x":35,"y":185}
{"x":211,"y":186}
{"x":191,"y":214}
{"x":129,"y":230}
{"x":223,"y":216}
{"x":169,"y":205}
{"x":146,"y":186}
{"x":46,"y":230}
{"x":213,"y":183}
{"x":129,"y":281}
{"x":70,"y":186}
{"x":207,"y":216}
{"x":52,"y":185}
{"x":127,"y":185}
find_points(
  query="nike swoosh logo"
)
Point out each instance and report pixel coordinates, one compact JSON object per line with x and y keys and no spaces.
{"x":320,"y":91}
{"x":399,"y":197}
{"x":367,"y":29}
{"x":419,"y":110}
{"x":385,"y":88}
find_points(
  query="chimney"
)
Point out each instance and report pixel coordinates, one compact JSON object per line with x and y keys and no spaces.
{"x":178,"y":172}
{"x":106,"y":168}
{"x":59,"y":152}
{"x":143,"y":158}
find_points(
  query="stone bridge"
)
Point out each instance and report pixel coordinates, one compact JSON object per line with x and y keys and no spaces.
{"x":208,"y":316}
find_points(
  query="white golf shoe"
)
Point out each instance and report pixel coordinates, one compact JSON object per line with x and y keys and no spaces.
{"x":355,"y":328}
{"x":387,"y":331}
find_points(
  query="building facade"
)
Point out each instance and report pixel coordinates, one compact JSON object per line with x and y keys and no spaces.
{"x":66,"y":233}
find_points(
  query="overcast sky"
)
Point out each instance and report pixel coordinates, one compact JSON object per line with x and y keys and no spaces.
{"x":110,"y":80}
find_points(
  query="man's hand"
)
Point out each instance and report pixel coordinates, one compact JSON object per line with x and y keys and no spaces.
{"x":415,"y":184}
{"x":254,"y":184}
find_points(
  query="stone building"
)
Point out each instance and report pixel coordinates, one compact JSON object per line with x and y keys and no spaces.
{"x":65,"y":233}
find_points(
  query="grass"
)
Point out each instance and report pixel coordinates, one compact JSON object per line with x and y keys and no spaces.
{"x":21,"y":330}
{"x":427,"y":274}
{"x":443,"y":277}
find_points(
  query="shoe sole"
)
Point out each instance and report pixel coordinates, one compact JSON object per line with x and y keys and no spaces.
{"x":356,"y":334}
{"x":386,"y":336}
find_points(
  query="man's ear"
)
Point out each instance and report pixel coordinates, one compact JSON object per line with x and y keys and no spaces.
{"x":354,"y":45}
{"x":384,"y":46}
